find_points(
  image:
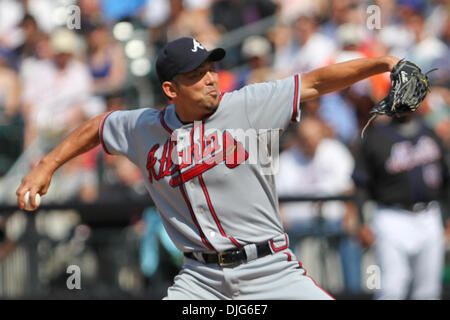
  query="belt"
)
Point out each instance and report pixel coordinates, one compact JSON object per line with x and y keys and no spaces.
{"x":230,"y":258}
{"x":413,"y":207}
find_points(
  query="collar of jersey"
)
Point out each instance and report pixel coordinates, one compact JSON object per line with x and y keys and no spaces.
{"x":171,"y":118}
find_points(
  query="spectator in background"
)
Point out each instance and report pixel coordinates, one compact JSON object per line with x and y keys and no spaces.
{"x":256,"y":52}
{"x":440,"y":20}
{"x":437,"y":18}
{"x":339,"y":110}
{"x":6,"y":245}
{"x":102,"y":164}
{"x":228,"y":15}
{"x":11,"y":123}
{"x":32,"y":37}
{"x":188,"y":18}
{"x":76,"y":183}
{"x":91,"y":14}
{"x":302,"y":48}
{"x":319,"y":166}
{"x":426,"y":49}
{"x":388,"y":11}
{"x":106,"y":61}
{"x":9,"y":89}
{"x":312,"y":109}
{"x":111,"y":182}
{"x":175,"y":24}
{"x":314,"y":49}
{"x":395,"y":35}
{"x":56,"y":90}
{"x":11,"y":13}
{"x":121,"y":181}
{"x":344,"y":123}
{"x":155,"y":13}
{"x":160,"y":260}
{"x":340,"y":12}
{"x":288,"y":10}
{"x":436,"y":111}
{"x":44,"y":12}
{"x":33,"y":51}
{"x":407,"y":34}
{"x":281,"y":35}
{"x":446,"y":31}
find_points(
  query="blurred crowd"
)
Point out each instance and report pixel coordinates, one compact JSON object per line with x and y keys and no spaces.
{"x":65,"y":61}
{"x":62,"y":62}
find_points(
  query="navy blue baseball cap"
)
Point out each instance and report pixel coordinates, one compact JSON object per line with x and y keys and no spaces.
{"x":184,"y":55}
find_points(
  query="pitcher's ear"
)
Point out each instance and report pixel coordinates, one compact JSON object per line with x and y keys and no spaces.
{"x":169,"y":89}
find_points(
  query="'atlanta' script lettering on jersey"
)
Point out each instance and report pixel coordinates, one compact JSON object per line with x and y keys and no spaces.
{"x":183,"y":161}
{"x":406,"y":156}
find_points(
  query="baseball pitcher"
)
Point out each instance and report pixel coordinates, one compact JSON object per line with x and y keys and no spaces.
{"x":220,"y":209}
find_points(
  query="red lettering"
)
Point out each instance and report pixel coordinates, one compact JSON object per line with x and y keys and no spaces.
{"x":151,"y":161}
{"x":233,"y":154}
{"x":212,"y":144}
{"x":169,"y":162}
{"x":163,"y":162}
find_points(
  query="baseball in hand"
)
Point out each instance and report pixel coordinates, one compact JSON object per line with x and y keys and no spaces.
{"x":27,"y":201}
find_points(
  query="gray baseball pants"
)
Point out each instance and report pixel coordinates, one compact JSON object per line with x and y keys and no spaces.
{"x":274,"y":277}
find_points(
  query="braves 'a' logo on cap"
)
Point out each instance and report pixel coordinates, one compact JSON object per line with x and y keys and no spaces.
{"x":197,"y":45}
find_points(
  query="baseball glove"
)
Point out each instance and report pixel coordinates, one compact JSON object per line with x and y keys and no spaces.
{"x":409,"y":87}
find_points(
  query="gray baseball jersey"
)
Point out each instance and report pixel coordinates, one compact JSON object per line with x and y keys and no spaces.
{"x":213,"y":199}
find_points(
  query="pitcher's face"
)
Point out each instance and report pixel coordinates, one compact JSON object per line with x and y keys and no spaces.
{"x":198,"y":91}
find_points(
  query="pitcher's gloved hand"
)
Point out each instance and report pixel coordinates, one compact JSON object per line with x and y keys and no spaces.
{"x":409,"y":87}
